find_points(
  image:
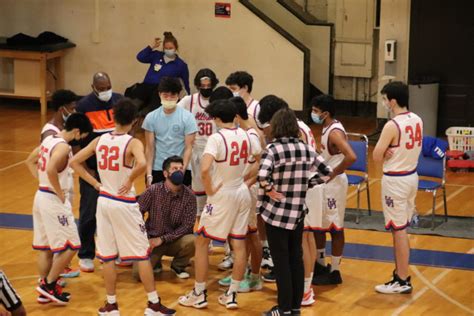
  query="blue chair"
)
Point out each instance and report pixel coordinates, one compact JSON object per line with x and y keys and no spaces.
{"x":433,"y":168}
{"x":361,"y":167}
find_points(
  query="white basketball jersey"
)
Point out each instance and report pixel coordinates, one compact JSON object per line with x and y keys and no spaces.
{"x":253,"y":108}
{"x":231,"y":149}
{"x":256,"y":145}
{"x":196,"y":104}
{"x":111,"y":164}
{"x":50,"y":127}
{"x":46,"y":149}
{"x":407,"y":151}
{"x":306,"y":134}
{"x":332,"y":159}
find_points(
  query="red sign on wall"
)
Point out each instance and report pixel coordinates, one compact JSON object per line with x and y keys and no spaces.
{"x":222,"y":10}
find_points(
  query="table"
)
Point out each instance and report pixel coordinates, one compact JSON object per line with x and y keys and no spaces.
{"x":30,"y":67}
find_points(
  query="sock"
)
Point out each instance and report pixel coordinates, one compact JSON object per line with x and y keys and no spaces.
{"x":199,"y":287}
{"x":321,"y":259}
{"x":153,"y":297}
{"x":234,"y":286}
{"x":111,"y":299}
{"x":335,"y":261}
{"x":307,"y":283}
{"x":264,"y":243}
{"x":254,"y":276}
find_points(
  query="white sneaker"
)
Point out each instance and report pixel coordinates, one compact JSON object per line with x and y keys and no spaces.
{"x":227,"y":263}
{"x":180,"y":273}
{"x":86,"y":265}
{"x":395,"y":286}
{"x":192,"y":299}
{"x":229,"y":300}
{"x":308,"y":298}
{"x":267,"y":261}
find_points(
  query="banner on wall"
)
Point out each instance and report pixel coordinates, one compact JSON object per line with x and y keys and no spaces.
{"x":222,"y":10}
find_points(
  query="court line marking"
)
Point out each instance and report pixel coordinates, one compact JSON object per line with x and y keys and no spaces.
{"x":448,"y":198}
{"x":431,"y":285}
{"x":14,"y":151}
{"x":13,"y":165}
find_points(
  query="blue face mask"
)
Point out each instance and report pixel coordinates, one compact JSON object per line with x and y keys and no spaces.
{"x":177,"y":177}
{"x":316,"y":118}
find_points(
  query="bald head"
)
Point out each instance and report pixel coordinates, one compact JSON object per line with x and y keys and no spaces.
{"x":101,"y":82}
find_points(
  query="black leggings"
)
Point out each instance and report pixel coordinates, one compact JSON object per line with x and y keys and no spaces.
{"x":287,"y":252}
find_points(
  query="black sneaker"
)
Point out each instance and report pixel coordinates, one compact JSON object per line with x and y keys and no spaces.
{"x":295,"y":312}
{"x":269,"y":277}
{"x":158,"y":309}
{"x":53,"y":292}
{"x":329,"y":278}
{"x":395,"y":286}
{"x":276,"y":311}
{"x":180,"y":273}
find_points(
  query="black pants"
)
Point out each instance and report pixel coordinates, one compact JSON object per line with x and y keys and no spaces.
{"x":148,"y":96}
{"x":87,"y":222}
{"x":159,"y":177}
{"x":287,"y":252}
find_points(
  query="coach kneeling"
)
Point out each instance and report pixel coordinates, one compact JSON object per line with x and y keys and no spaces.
{"x":171,"y":208}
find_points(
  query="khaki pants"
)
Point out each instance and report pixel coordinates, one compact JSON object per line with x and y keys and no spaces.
{"x":182,"y":250}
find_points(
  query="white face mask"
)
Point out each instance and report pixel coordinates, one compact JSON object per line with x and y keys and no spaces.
{"x":65,"y":115}
{"x":170,"y":53}
{"x":105,"y":95}
{"x":169,"y":105}
{"x":236,"y":94}
{"x":386,"y":105}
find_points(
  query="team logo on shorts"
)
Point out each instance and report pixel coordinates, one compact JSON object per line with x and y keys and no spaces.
{"x":389,"y":201}
{"x":142,"y":228}
{"x":63,"y":220}
{"x":209,"y":208}
{"x":332,"y":203}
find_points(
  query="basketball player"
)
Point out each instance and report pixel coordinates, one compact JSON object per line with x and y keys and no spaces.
{"x":205,"y":81}
{"x":339,"y":155}
{"x":54,"y":229}
{"x":121,"y":231}
{"x":228,"y":202}
{"x":399,"y":148}
{"x":252,"y":281}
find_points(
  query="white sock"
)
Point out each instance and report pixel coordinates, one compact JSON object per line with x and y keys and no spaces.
{"x":335,"y":261}
{"x":307,"y":283}
{"x":111,"y":299}
{"x":265,"y":243}
{"x":153,"y":297}
{"x":321,"y":259}
{"x":199,"y":287}
{"x":234,"y":286}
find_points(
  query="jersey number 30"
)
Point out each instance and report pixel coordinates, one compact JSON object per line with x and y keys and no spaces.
{"x":108,"y":158}
{"x":415,"y":136}
{"x":239,"y":153}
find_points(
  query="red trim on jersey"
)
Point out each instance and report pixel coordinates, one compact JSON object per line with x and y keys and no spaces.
{"x":191,"y":104}
{"x":199,"y":101}
{"x":125,"y":154}
{"x":51,"y":152}
{"x":67,"y":245}
{"x":47,"y":190}
{"x":329,"y":147}
{"x":202,"y":231}
{"x":399,"y":173}
{"x":391,"y":225}
{"x":43,"y":248}
{"x":327,"y":128}
{"x":106,"y":258}
{"x":118,"y":197}
{"x":250,"y":103}
{"x":399,"y":134}
{"x":225,"y":145}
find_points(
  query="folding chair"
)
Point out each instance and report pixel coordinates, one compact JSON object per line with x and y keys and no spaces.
{"x":361,"y":166}
{"x":433,"y":168}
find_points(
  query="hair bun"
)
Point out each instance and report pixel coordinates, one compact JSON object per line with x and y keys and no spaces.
{"x":168,"y":34}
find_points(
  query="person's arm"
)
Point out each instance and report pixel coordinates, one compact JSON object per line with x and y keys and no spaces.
{"x":187,"y":224}
{"x":188,"y":149}
{"x":78,"y":159}
{"x":185,"y":77}
{"x":382,"y":148}
{"x":145,"y":201}
{"x":32,"y":162}
{"x":206,"y":164}
{"x":75,"y":150}
{"x":146,"y":55}
{"x":48,"y":133}
{"x":136,"y":147}
{"x":264,"y":176}
{"x":339,"y":139}
{"x":251,"y":177}
{"x":149,"y":155}
{"x":56,"y":160}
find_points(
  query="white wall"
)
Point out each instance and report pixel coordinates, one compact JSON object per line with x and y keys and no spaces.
{"x":124,"y":27}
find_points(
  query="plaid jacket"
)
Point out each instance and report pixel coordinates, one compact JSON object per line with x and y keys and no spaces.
{"x":287,"y":165}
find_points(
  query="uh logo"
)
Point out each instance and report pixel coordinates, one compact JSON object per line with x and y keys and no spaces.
{"x":63,"y":220}
{"x":209,"y":209}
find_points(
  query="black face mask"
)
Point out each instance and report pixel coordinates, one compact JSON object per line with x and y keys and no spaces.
{"x":206,"y":92}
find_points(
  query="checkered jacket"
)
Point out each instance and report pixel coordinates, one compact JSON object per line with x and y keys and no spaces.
{"x":287,"y":166}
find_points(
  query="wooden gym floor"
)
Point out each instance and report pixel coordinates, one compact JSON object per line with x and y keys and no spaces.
{"x":443,"y":282}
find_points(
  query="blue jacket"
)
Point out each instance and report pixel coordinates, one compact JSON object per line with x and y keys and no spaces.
{"x":434,"y":147}
{"x":159,"y":69}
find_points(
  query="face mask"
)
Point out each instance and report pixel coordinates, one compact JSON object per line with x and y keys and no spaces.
{"x":177,"y":177}
{"x":170,"y":53}
{"x":236,"y":94}
{"x":316,"y":118}
{"x":65,"y":116}
{"x":386,"y":105}
{"x":105,"y":95}
{"x":206,"y":92}
{"x":169,"y":105}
